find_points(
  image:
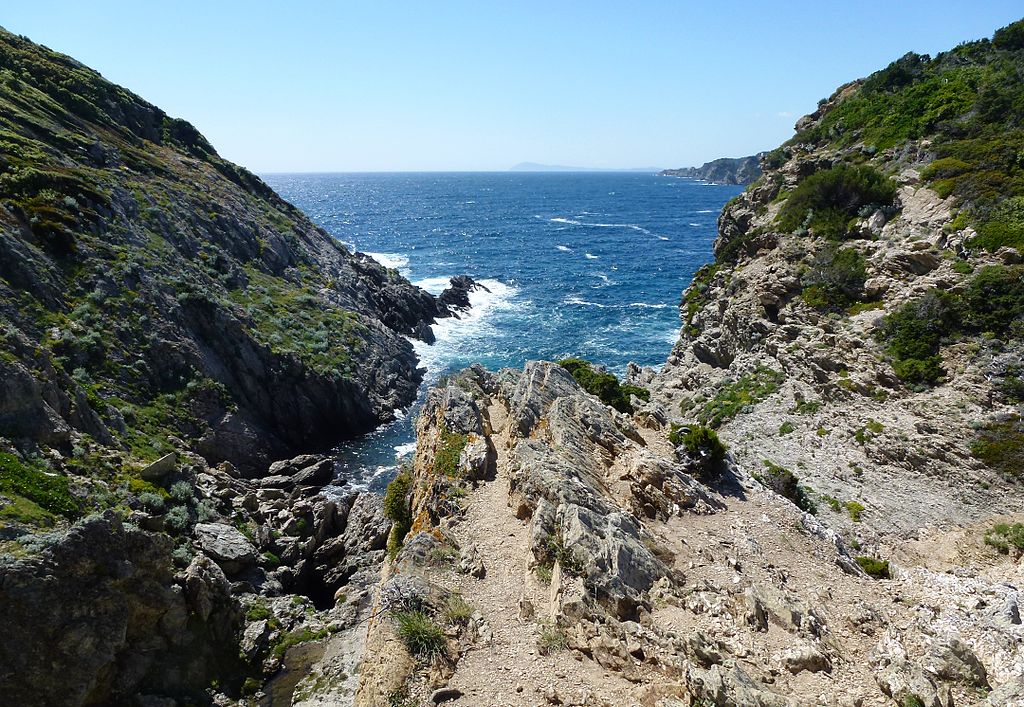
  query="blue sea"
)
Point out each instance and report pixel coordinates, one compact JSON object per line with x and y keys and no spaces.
{"x":576,"y":264}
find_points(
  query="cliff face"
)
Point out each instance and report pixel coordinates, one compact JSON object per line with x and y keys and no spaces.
{"x":857,"y":347}
{"x":725,"y":170}
{"x":149,"y":288}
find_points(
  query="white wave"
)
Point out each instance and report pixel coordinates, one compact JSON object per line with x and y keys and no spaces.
{"x":604,"y":278}
{"x":647,"y":305}
{"x":564,"y":248}
{"x":434,"y":285}
{"x":404,"y":450}
{"x":695,"y":225}
{"x":573,"y":222}
{"x":390,"y":260}
{"x":706,"y":211}
{"x":591,"y":257}
{"x":662,"y":238}
{"x":583,"y":302}
{"x":473,"y":326}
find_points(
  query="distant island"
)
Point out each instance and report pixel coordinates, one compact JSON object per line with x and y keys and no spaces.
{"x":725,"y":170}
{"x":537,"y":167}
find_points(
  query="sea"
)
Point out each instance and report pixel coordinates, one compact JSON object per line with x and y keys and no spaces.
{"x":587,"y":264}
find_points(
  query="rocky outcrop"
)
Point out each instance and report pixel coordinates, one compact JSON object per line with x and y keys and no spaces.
{"x":725,"y":170}
{"x":140,"y":270}
{"x":96,"y":616}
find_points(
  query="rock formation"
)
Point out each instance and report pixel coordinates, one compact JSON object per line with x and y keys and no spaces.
{"x":725,"y":170}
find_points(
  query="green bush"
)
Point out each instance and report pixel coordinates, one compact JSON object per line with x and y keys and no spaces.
{"x":873,"y":567}
{"x":602,"y":385}
{"x":835,"y":279}
{"x":736,"y":396}
{"x":397,"y":510}
{"x":1001,"y":446}
{"x":419,"y":633}
{"x":992,"y":302}
{"x":700,"y":442}
{"x":785,"y":483}
{"x":827,"y":201}
{"x":1003,"y":536}
{"x":152,"y":502}
{"x":177,"y":520}
{"x":33,"y":481}
{"x":446,"y":462}
{"x":855,"y":509}
{"x":785,"y":428}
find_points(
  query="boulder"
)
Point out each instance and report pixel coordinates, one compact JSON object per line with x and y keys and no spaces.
{"x":226,"y":546}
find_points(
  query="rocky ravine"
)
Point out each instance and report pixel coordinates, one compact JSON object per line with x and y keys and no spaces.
{"x":599,"y":571}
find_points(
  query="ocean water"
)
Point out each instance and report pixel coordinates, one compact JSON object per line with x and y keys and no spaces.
{"x":576,"y":264}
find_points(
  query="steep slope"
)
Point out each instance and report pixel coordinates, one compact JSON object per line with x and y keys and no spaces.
{"x":857,"y":347}
{"x":149,"y":288}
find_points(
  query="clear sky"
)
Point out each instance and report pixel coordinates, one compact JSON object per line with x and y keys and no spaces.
{"x":354,"y":86}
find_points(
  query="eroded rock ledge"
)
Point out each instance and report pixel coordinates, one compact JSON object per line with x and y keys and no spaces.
{"x":570,"y":556}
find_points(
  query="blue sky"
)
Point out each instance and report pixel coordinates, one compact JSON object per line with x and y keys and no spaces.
{"x":354,"y":86}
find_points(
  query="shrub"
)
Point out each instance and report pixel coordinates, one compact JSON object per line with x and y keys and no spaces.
{"x":1000,"y":445}
{"x":152,"y":502}
{"x":1002,"y":536}
{"x":827,"y":201}
{"x":701,"y":443}
{"x":785,"y":483}
{"x":551,"y":640}
{"x":855,"y":509}
{"x":873,"y":567}
{"x":605,"y":386}
{"x":785,"y":428}
{"x":421,"y":635}
{"x":396,"y":509}
{"x":177,"y":519}
{"x":835,"y":279}
{"x":181,"y":492}
{"x":446,"y":461}
{"x":913,"y":333}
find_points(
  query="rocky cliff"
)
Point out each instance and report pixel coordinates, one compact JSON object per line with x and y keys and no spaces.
{"x":725,"y":170}
{"x":820,"y":502}
{"x":169,"y":327}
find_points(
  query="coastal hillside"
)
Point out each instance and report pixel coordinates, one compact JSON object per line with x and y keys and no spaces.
{"x":817,"y":500}
{"x":725,"y":170}
{"x":169,"y":327}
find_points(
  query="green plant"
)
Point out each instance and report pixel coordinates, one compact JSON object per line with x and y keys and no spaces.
{"x":785,"y":428}
{"x":832,"y":502}
{"x":855,"y":509}
{"x":271,"y":559}
{"x":258,"y":611}
{"x":544,"y":571}
{"x":551,"y":640}
{"x":294,"y":638}
{"x":152,"y":502}
{"x":735,"y":397}
{"x":177,"y":520}
{"x":835,"y":279}
{"x":1003,"y":536}
{"x":446,"y":461}
{"x":873,"y":567}
{"x":457,"y":610}
{"x":419,"y":633}
{"x":700,"y":442}
{"x":555,"y":550}
{"x":602,"y":385}
{"x":181,"y":492}
{"x":397,"y":510}
{"x":33,"y":481}
{"x":827,"y":201}
{"x":785,"y":483}
{"x":807,"y":407}
{"x":1000,"y":445}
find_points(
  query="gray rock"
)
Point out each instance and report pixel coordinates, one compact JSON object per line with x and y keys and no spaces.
{"x":226,"y":546}
{"x":160,"y":468}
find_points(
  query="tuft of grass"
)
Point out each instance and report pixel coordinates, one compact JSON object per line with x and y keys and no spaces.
{"x":457,"y":610}
{"x":419,"y":633}
{"x":873,"y":567}
{"x":551,"y":640}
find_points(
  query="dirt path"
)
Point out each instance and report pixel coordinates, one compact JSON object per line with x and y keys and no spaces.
{"x":510,"y":670}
